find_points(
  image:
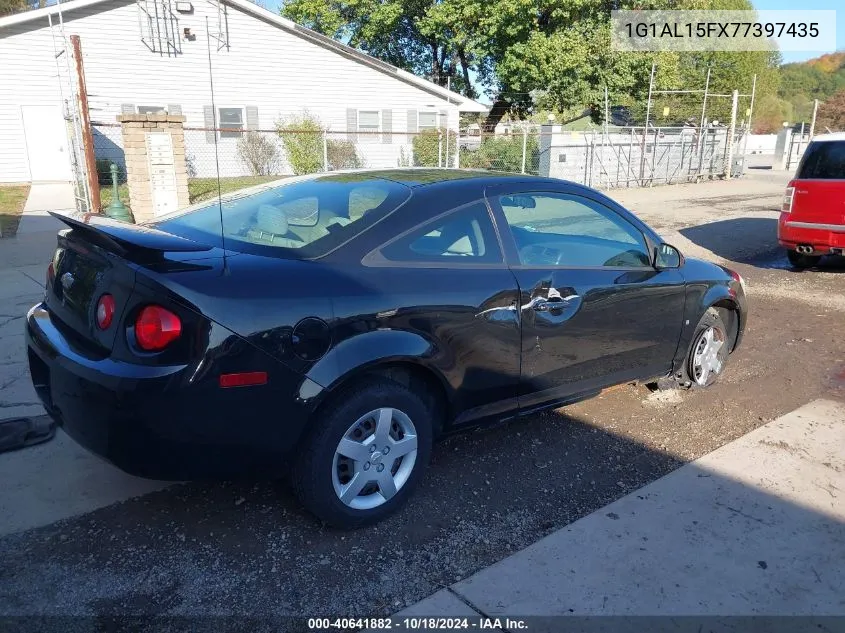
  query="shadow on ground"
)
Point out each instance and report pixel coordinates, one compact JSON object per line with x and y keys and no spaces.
{"x":741,"y":240}
{"x":247,"y":549}
{"x":751,"y":241}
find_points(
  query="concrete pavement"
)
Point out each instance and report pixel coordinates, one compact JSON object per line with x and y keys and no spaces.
{"x":44,"y":197}
{"x":756,"y":527}
{"x":19,"y":290}
{"x":58,"y":479}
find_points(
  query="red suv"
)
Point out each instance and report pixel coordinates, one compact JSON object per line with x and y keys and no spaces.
{"x":812,"y":220}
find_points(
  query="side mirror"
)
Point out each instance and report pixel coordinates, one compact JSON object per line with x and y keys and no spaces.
{"x":667,"y":256}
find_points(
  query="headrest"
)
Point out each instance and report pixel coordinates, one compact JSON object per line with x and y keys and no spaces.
{"x":272,"y":220}
{"x":463,"y":246}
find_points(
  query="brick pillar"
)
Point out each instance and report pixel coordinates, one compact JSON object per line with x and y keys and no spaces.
{"x":156,"y":172}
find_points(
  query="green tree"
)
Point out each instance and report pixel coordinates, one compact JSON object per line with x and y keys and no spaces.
{"x":8,"y":7}
{"x":770,"y":114}
{"x":530,"y":54}
{"x":503,"y":153}
{"x":429,"y":148}
{"x":302,"y":138}
{"x":410,"y":34}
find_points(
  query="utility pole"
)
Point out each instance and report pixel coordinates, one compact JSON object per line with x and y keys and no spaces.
{"x":647,"y":115}
{"x":524,"y":144}
{"x":702,"y":133}
{"x":449,"y":100}
{"x":731,"y":133}
{"x":85,"y":122}
{"x":704,"y":103}
{"x":813,"y":123}
{"x":748,"y":129}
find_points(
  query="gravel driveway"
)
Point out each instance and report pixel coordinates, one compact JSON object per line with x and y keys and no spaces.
{"x":247,"y":548}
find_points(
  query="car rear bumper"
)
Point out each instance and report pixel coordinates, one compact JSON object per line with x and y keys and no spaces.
{"x":823,"y":237}
{"x":158,"y":422}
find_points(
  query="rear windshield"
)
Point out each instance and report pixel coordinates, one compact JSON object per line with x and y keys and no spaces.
{"x":302,"y":219}
{"x":823,"y":160}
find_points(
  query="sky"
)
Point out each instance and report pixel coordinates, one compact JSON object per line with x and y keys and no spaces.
{"x":790,"y":5}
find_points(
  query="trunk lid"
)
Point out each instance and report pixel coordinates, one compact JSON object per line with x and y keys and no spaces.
{"x":79,"y":275}
{"x":95,"y":258}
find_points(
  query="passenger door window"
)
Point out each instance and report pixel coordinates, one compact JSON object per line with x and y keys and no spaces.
{"x":464,"y":236}
{"x":572,"y":231}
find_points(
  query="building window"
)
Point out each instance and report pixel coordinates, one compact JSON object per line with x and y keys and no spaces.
{"x":369,"y":121}
{"x":428,"y":121}
{"x":230,"y":119}
{"x":151,"y":109}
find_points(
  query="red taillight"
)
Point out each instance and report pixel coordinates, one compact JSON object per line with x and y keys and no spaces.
{"x":51,"y":272}
{"x":105,"y":311}
{"x":787,"y":198}
{"x":156,"y":328}
{"x":243,"y":379}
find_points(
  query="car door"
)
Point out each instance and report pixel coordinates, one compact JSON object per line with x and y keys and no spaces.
{"x":594,"y":310}
{"x":453,"y":286}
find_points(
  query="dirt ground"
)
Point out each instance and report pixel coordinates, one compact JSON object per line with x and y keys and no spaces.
{"x":247,"y":547}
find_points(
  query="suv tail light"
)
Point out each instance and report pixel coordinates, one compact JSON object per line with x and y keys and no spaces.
{"x":156,"y":328}
{"x":787,"y":198}
{"x":105,"y":311}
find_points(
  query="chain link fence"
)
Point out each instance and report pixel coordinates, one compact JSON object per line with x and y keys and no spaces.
{"x":796,"y":145}
{"x":637,"y":157}
{"x":631,"y":157}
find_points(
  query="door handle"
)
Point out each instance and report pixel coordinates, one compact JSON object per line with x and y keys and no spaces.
{"x":539,"y":304}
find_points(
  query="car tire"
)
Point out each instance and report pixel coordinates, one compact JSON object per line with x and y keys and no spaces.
{"x":799,"y":260}
{"x":708,"y":353}
{"x":331,"y":465}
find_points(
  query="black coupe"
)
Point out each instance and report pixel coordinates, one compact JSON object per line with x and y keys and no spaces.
{"x":331,"y":327}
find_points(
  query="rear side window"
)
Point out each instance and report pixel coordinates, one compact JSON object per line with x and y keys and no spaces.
{"x":823,"y":160}
{"x":300,"y":219}
{"x":465,"y":236}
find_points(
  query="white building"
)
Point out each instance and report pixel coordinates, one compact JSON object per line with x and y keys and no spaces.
{"x":147,"y":55}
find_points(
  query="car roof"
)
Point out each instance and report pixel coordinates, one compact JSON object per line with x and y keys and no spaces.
{"x":423,"y":176}
{"x":833,"y":136}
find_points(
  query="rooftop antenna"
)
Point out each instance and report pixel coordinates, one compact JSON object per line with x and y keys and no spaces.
{"x":216,"y":152}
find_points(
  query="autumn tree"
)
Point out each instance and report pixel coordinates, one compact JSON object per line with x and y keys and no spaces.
{"x":831,"y":114}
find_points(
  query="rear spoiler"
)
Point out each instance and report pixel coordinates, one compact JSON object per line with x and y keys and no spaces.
{"x":141,"y":244}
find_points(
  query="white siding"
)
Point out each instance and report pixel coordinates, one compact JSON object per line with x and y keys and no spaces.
{"x":264,"y":66}
{"x":28,"y":76}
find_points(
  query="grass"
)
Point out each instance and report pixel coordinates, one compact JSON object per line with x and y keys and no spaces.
{"x":199,"y":189}
{"x":12,"y":199}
